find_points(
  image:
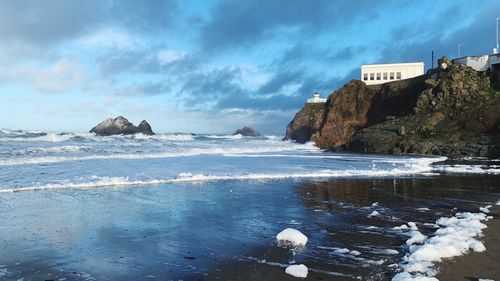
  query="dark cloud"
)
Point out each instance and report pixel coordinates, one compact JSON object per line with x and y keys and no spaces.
{"x":145,"y":89}
{"x":143,"y":16}
{"x":49,"y":21}
{"x":247,"y":23}
{"x":480,"y":35}
{"x":278,"y":81}
{"x":46,"y":21}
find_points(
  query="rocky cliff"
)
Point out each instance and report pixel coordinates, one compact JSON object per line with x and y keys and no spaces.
{"x":453,"y":111}
{"x":306,"y":123}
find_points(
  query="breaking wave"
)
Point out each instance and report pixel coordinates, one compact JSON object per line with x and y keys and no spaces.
{"x":189,"y":177}
{"x":152,"y":155}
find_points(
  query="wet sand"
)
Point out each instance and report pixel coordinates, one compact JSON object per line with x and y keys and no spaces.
{"x":475,"y":266}
{"x":226,"y":230}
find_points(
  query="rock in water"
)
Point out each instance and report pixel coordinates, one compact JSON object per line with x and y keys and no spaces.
{"x":145,"y":128}
{"x":121,"y":126}
{"x":247,"y":132}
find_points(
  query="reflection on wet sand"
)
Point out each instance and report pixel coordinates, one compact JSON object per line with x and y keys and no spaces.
{"x":226,"y":230}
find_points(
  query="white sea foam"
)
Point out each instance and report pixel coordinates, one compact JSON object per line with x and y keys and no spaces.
{"x":485,"y":209}
{"x":374,"y":214}
{"x":340,"y":251}
{"x":54,"y":149}
{"x":165,"y":137}
{"x":189,"y":177}
{"x":455,"y":237}
{"x":178,"y":153}
{"x":293,"y":236}
{"x":49,"y":137}
{"x":351,"y":254}
{"x":379,"y":251}
{"x":468,"y":169}
{"x":234,"y":137}
{"x":297,"y":270}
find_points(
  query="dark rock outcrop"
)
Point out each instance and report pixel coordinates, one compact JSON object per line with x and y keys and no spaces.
{"x":449,"y":111}
{"x":145,"y":128}
{"x":247,"y":132}
{"x":305,"y":123}
{"x":121,"y":126}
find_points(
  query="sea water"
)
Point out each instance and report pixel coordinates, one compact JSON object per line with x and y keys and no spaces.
{"x":207,"y":207}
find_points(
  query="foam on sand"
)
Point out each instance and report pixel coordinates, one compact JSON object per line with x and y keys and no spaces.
{"x":297,"y":270}
{"x":468,"y":169}
{"x":455,"y":237}
{"x":292,"y":236}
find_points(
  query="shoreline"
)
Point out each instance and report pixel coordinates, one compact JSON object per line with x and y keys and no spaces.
{"x":475,"y":266}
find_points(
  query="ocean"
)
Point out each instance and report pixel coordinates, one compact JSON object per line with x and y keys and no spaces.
{"x":75,"y":206}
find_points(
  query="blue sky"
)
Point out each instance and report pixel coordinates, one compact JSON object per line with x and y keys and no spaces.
{"x":210,"y":66}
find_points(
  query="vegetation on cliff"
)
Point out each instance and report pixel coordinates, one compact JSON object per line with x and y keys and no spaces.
{"x":453,"y":111}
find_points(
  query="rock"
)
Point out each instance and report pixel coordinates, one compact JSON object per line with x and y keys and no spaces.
{"x":305,"y":123}
{"x":402,"y":131}
{"x":247,"y":132}
{"x":145,"y":128}
{"x":121,"y":126}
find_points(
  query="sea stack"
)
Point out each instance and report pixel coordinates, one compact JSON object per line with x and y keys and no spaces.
{"x":247,"y":132}
{"x":121,"y":126}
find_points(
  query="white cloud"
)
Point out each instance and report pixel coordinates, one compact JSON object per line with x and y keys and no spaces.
{"x":169,"y":56}
{"x":64,"y":75}
{"x":109,"y":38}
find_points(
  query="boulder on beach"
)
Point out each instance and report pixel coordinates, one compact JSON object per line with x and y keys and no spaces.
{"x":121,"y":126}
{"x":247,"y":132}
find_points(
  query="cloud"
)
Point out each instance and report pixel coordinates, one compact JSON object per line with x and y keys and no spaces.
{"x":109,"y":37}
{"x":62,"y":76}
{"x":43,"y":22}
{"x":235,"y":24}
{"x":55,"y":20}
{"x":480,"y":33}
{"x":149,"y":88}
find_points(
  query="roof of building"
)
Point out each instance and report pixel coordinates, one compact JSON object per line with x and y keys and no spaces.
{"x":392,"y":64}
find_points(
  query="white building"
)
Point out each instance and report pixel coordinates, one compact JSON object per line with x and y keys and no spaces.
{"x":316,"y":99}
{"x":479,"y":63}
{"x":373,"y":74}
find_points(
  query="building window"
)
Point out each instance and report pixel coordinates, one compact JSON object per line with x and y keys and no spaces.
{"x":391,"y":76}
{"x":385,"y":76}
{"x":378,"y":76}
{"x":372,"y":76}
{"x":398,"y":75}
{"x":365,"y":76}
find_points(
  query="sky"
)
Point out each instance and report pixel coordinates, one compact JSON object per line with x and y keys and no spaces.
{"x":211,"y":66}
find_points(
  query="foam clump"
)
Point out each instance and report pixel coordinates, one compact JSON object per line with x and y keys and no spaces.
{"x":485,"y":209}
{"x":293,"y":236}
{"x":455,"y":237}
{"x":297,"y":270}
{"x":374,"y":214}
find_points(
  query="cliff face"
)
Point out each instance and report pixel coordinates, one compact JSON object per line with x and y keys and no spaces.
{"x":306,"y":123}
{"x":451,"y":111}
